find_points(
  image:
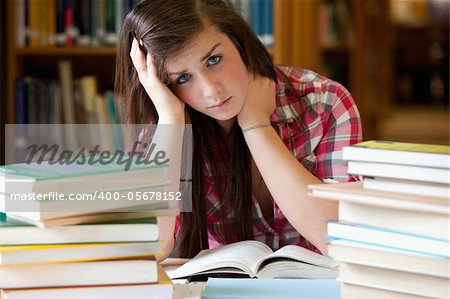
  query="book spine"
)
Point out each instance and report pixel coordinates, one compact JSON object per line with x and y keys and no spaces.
{"x":100,"y":21}
{"x":84,"y":23}
{"x":246,"y":10}
{"x":34,"y":21}
{"x":68,"y":22}
{"x":51,"y":24}
{"x":267,"y":23}
{"x":21,"y":23}
{"x":21,"y":115}
{"x":60,"y":29}
{"x":256,"y":17}
{"x":110,"y":27}
{"x":119,"y":15}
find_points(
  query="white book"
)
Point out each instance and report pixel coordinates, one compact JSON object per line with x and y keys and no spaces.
{"x":406,"y":186}
{"x":13,"y":233}
{"x":389,"y":258}
{"x":78,"y":274}
{"x":147,"y":291}
{"x":354,"y":192}
{"x":396,"y":171}
{"x":45,"y":213}
{"x":432,"y":225}
{"x":163,"y":289}
{"x":388,"y":238}
{"x":398,"y":281}
{"x":378,"y":151}
{"x":67,"y":218}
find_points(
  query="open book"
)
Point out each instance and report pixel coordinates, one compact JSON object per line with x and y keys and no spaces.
{"x":256,"y":259}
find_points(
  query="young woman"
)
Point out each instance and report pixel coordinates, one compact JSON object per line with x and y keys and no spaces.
{"x":262,"y":133}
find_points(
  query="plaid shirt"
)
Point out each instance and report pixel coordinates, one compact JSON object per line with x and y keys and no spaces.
{"x":315,"y":117}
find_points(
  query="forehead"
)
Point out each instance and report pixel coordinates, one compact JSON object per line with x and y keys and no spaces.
{"x":199,"y":46}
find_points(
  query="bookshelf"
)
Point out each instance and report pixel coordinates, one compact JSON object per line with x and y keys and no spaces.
{"x":420,"y":91}
{"x":41,"y":61}
{"x":364,"y":58}
{"x":2,"y":77}
{"x":346,"y":40}
{"x":371,"y":55}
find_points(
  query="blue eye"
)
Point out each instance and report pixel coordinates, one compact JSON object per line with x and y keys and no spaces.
{"x":215,"y":59}
{"x":183,"y":78}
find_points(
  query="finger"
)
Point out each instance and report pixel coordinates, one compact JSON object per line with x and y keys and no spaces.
{"x":150,"y":64}
{"x":137,"y":57}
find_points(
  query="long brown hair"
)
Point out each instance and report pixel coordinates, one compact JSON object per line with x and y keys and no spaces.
{"x":165,"y":28}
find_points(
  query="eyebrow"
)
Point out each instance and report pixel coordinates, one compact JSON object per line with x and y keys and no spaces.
{"x":202,"y":59}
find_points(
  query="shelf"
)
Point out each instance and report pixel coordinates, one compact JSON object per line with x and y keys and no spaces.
{"x":76,"y":51}
{"x":66,"y":51}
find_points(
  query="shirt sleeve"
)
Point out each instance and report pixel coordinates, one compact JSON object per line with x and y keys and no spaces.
{"x":341,"y":127}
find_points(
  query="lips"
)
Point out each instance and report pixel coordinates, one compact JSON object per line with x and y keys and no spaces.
{"x":220,"y":104}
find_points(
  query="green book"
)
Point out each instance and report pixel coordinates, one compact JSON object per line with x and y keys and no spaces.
{"x":81,"y":175}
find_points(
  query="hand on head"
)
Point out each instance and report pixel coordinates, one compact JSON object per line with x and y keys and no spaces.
{"x":170,"y":108}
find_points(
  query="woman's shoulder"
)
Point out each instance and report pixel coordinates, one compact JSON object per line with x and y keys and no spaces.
{"x":297,"y":83}
{"x":301,"y":79}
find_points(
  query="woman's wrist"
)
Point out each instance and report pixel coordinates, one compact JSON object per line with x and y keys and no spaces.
{"x":255,"y":126}
{"x":172,"y":119}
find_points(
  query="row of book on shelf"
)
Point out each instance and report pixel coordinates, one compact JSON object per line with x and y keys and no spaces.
{"x":334,"y":23}
{"x":63,"y":100}
{"x":392,"y":239}
{"x":66,"y":100}
{"x":96,"y":249}
{"x":98,"y":22}
{"x":70,"y":22}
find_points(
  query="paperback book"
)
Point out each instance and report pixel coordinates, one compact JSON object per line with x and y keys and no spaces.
{"x":13,"y":232}
{"x":256,"y":259}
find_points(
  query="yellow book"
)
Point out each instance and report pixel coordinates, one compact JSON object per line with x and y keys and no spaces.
{"x":34,"y":17}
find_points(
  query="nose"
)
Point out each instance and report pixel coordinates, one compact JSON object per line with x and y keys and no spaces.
{"x":211,"y":86}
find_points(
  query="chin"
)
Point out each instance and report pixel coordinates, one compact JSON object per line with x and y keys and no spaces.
{"x":226,"y":122}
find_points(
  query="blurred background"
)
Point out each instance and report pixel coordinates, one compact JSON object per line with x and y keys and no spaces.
{"x":57,"y":58}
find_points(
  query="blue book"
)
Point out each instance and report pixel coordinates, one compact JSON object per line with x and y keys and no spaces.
{"x":388,"y":238}
{"x":267,"y":23}
{"x":224,"y":288}
{"x":256,"y":15}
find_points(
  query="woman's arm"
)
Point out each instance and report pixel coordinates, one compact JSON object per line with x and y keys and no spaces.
{"x":168,"y":136}
{"x":287,"y":181}
{"x":166,"y":227}
{"x":286,"y":178}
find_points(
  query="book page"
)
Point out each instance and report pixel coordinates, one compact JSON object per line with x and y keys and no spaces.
{"x":286,"y":268}
{"x":300,"y":254}
{"x":244,"y":255}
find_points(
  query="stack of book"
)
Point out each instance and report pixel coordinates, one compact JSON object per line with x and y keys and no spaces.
{"x":75,"y":191}
{"x":392,"y":239}
{"x":60,"y":239}
{"x":112,"y":260}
